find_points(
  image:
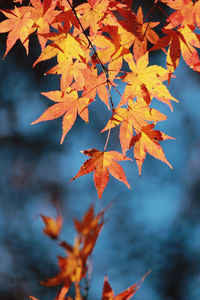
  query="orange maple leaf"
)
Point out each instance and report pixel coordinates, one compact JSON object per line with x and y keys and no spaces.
{"x":131,"y":23}
{"x":108,"y":293}
{"x":184,"y":14}
{"x":64,"y":45}
{"x":89,"y":222}
{"x":148,"y":77}
{"x":147,"y":141}
{"x":70,"y":71}
{"x":44,"y":14}
{"x":20,"y":26}
{"x":101,"y":164}
{"x":132,"y":117}
{"x":95,"y":83}
{"x":140,"y":46}
{"x":67,"y":105}
{"x":52,"y":226}
{"x":91,"y":13}
{"x":72,"y":268}
{"x":182,"y":41}
{"x":112,"y":47}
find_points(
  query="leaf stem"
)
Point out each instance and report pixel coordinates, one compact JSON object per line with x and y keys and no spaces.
{"x":108,"y":136}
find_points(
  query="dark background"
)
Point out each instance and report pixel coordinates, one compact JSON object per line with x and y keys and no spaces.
{"x":155,"y":225}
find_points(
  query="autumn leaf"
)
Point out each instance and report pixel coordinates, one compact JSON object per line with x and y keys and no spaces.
{"x":52,"y":226}
{"x":182,"y":41}
{"x":148,"y":77}
{"x":19,"y":24}
{"x":44,"y":14}
{"x":72,"y":267}
{"x":132,"y":117}
{"x":70,"y":72}
{"x":67,"y":105}
{"x":101,"y":163}
{"x":96,"y":84}
{"x":64,"y":45}
{"x":184,"y":14}
{"x":91,"y":13}
{"x":130,"y":22}
{"x":112,"y":46}
{"x":89,"y":222}
{"x":89,"y":229}
{"x":108,"y":293}
{"x":140,"y":46}
{"x":147,"y":141}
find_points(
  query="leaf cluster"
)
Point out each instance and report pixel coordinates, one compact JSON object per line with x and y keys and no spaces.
{"x":92,"y":43}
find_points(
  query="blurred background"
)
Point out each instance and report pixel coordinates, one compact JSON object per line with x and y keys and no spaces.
{"x":154,"y":226}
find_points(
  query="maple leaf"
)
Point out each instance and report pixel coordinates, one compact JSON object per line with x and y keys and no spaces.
{"x":89,"y":222}
{"x":65,"y":46}
{"x":19,"y":25}
{"x":91,"y":13}
{"x":140,"y":46}
{"x":131,"y":23}
{"x":72,"y":268}
{"x":134,"y":116}
{"x":147,"y":141}
{"x":145,"y":77}
{"x":120,"y":37}
{"x":184,"y":14}
{"x":52,"y":226}
{"x":108,"y":293}
{"x":111,"y":48}
{"x":95,"y":83}
{"x":106,"y":47}
{"x":67,"y":105}
{"x":101,"y":163}
{"x":89,"y":229}
{"x":44,"y":14}
{"x":70,"y":71}
{"x":182,"y":41}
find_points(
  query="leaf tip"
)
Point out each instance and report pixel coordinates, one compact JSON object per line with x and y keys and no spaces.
{"x":34,"y":122}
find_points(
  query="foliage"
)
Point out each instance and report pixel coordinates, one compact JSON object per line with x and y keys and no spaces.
{"x":97,"y":44}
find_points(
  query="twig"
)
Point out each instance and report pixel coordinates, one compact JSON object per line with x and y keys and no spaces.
{"x":152,"y":9}
{"x":96,"y":54}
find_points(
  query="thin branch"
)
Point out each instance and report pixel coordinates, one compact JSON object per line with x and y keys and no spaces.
{"x":167,"y":17}
{"x":151,"y":10}
{"x":96,"y":54}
